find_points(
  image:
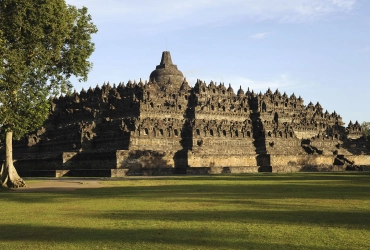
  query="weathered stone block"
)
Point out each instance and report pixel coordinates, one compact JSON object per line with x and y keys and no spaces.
{"x":119,"y":172}
{"x":61,"y":173}
{"x":138,"y":159}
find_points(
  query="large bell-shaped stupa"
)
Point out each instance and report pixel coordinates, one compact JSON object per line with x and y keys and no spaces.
{"x":167,"y":73}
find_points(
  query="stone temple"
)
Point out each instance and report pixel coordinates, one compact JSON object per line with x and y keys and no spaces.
{"x":164,"y":126}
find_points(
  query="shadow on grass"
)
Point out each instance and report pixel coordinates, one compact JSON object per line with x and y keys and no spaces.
{"x":296,"y":176}
{"x":241,"y":200}
{"x":307,"y":218}
{"x":220,"y":189}
{"x":222,"y":193}
{"x":188,"y":238}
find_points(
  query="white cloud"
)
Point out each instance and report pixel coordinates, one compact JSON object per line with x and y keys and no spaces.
{"x":211,"y":11}
{"x":260,"y":35}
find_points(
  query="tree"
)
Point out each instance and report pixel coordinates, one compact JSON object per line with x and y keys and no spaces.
{"x":365,"y":127}
{"x":42,"y":44}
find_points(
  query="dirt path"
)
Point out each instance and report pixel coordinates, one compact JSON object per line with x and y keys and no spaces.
{"x":57,"y":185}
{"x":71,"y":184}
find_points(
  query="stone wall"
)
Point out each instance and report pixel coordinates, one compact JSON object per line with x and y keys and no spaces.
{"x":203,"y":160}
{"x":359,"y":160}
{"x":138,"y":159}
{"x":302,"y":160}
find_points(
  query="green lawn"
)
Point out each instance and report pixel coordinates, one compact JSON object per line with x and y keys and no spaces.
{"x":255,"y":211}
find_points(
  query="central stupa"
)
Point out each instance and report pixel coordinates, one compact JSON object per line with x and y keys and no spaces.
{"x":166,"y":73}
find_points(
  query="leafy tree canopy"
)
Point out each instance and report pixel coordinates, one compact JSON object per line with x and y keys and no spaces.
{"x":365,"y":126}
{"x":42,"y":44}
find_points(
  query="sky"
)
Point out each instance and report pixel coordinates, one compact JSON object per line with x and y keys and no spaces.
{"x":316,"y":49}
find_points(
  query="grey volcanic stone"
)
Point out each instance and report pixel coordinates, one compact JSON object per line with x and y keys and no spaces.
{"x":165,"y":126}
{"x":166,"y":73}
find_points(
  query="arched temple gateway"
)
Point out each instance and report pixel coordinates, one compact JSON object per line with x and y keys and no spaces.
{"x":165,"y":126}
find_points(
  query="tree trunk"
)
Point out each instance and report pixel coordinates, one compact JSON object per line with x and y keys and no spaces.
{"x":9,"y":175}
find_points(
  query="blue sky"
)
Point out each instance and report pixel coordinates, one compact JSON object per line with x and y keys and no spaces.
{"x":318,"y":49}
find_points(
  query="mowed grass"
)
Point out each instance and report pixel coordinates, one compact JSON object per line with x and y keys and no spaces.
{"x":255,"y":211}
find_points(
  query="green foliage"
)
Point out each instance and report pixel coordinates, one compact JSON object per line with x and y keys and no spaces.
{"x":365,"y":126}
{"x":255,"y":211}
{"x":42,"y":44}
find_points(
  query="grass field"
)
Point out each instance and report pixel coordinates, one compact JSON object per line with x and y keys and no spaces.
{"x":256,"y":211}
